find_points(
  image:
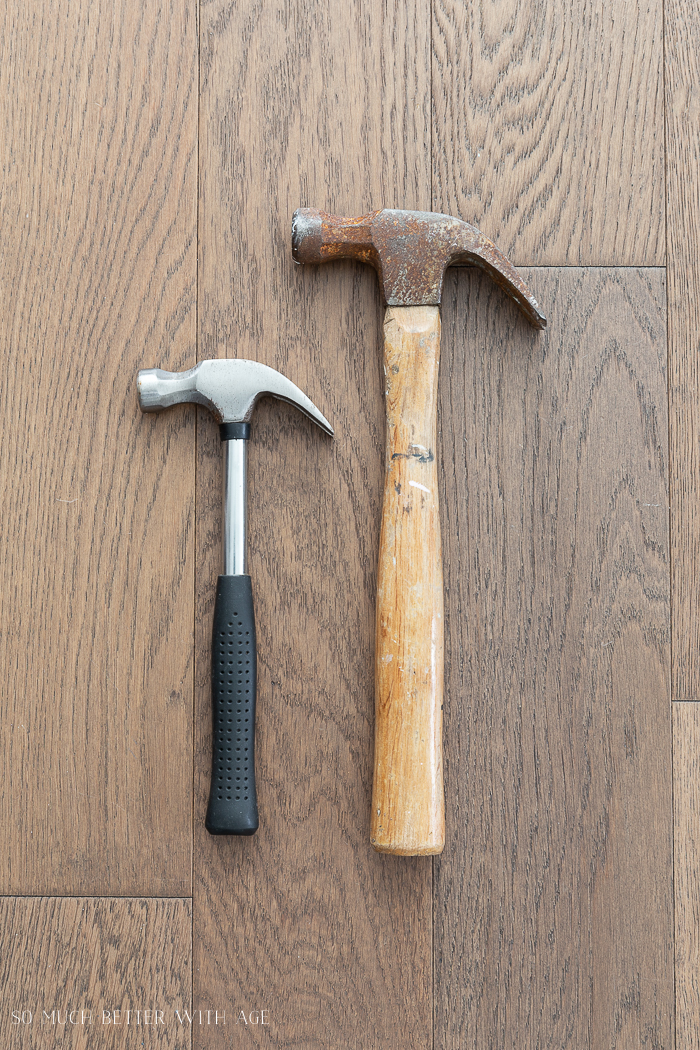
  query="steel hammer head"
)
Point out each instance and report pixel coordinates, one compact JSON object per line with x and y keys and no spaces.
{"x":410,"y":251}
{"x":230,"y":389}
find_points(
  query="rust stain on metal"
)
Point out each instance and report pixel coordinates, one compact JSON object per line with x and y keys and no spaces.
{"x":410,"y":251}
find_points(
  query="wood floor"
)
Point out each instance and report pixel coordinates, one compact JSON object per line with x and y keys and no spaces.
{"x":151,"y":158}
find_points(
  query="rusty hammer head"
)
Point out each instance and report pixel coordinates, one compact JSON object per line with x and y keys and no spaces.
{"x":410,"y":251}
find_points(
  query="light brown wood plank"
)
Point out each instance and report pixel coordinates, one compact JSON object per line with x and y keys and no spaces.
{"x":686,"y":805}
{"x":95,"y":972}
{"x":98,"y":140}
{"x":307,"y":105}
{"x":553,"y":898}
{"x":548,"y":127}
{"x":336,"y":116}
{"x":683,"y":233}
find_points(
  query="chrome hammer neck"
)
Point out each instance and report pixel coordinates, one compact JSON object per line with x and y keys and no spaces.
{"x":235,"y":561}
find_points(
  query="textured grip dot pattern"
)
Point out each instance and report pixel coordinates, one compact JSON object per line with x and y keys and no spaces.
{"x":233,"y":807}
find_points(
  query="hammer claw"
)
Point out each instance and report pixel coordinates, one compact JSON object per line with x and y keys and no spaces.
{"x":493,"y":262}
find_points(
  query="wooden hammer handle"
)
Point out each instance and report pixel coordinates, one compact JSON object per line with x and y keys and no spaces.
{"x":408,"y":815}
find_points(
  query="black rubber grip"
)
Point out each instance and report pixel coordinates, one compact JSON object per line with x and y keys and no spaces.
{"x":233,"y":804}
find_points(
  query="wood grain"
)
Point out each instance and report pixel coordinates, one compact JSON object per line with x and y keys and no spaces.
{"x":322,"y":109}
{"x":97,"y":278}
{"x":307,"y":105}
{"x":408,"y":805}
{"x":67,"y":964}
{"x":683,"y":233}
{"x":553,"y":903}
{"x":553,"y":898}
{"x":548,"y":127}
{"x":686,"y":811}
{"x":682,"y":34}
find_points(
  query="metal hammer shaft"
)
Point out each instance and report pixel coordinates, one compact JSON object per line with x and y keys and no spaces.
{"x":235,"y":504}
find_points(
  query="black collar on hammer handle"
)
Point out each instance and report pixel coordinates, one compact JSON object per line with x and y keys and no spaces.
{"x":410,"y":251}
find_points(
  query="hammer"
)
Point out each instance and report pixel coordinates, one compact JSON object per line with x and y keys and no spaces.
{"x":410,"y":251}
{"x":230,"y":390}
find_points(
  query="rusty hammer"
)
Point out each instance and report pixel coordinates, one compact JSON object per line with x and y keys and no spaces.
{"x":410,"y":251}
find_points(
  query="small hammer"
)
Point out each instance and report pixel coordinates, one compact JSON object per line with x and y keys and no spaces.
{"x":230,"y":390}
{"x":410,"y":251}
